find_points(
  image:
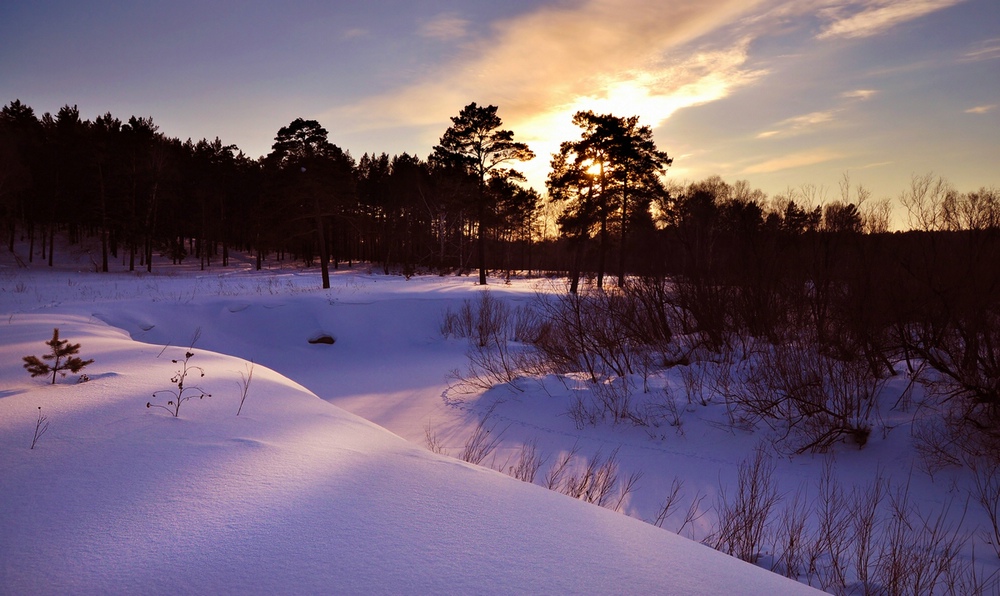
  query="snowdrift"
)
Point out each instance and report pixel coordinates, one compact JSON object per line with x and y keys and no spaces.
{"x":295,"y":495}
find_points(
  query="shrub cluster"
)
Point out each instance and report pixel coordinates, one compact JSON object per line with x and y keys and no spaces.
{"x":797,"y":327}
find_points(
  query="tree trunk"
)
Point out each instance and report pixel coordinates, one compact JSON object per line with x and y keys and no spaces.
{"x":104,"y":250}
{"x":323,"y":252}
{"x":481,"y":238}
{"x":624,"y":234}
{"x":574,"y":274}
{"x":603,"y":252}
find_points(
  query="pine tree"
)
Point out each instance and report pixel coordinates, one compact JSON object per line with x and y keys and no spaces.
{"x":61,"y":348}
{"x":477,"y":145}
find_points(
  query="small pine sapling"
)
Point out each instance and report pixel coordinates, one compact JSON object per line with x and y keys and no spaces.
{"x":182,"y":393}
{"x":41,"y":426}
{"x":62,"y":355}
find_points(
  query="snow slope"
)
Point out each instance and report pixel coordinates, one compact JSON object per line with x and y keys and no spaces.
{"x":295,"y":495}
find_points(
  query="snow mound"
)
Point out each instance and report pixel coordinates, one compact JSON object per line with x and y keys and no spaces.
{"x":295,"y":495}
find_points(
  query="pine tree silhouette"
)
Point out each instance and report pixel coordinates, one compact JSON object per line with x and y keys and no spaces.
{"x":61,"y":348}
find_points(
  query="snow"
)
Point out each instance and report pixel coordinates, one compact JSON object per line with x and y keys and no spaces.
{"x":324,"y":482}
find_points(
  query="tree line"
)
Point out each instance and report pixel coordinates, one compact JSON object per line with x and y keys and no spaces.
{"x":142,"y":192}
{"x":463,"y":207}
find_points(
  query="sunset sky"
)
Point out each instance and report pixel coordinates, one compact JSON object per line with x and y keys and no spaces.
{"x":778,"y":92}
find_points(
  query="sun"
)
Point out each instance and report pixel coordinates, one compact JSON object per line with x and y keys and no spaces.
{"x":593,"y":168}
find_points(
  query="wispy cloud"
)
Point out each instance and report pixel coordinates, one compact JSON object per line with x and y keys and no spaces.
{"x":877,"y":164}
{"x":354,"y":33}
{"x":799,"y":124}
{"x":795,"y":160}
{"x":862,"y":94}
{"x":865,"y":18}
{"x":982,"y":109}
{"x":445,"y":27}
{"x":984,"y":50}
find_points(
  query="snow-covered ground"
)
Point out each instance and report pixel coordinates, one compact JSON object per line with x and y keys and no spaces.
{"x":325,"y":483}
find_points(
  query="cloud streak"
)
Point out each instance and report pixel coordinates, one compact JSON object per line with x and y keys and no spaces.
{"x":986,"y":50}
{"x":445,"y":27}
{"x":795,"y":160}
{"x":799,"y":124}
{"x":870,"y":17}
{"x":860,"y":94}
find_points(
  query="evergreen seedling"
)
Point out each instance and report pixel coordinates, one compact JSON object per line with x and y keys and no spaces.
{"x":63,"y":355}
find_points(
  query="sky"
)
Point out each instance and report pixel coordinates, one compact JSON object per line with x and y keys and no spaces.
{"x":781,"y":93}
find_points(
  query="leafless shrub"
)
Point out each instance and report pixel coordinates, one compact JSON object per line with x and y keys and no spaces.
{"x":744,"y":519}
{"x":953,"y":326}
{"x":655,"y":316}
{"x":864,"y":508}
{"x":616,"y":400}
{"x":611,"y":336}
{"x":924,"y":200}
{"x":491,"y":325}
{"x":483,"y":441}
{"x":986,"y":492}
{"x":244,"y":384}
{"x":614,"y":397}
{"x":962,"y":380}
{"x":827,"y":555}
{"x":871,"y":541}
{"x":625,"y":488}
{"x":527,"y":464}
{"x":670,"y":503}
{"x":582,"y":410}
{"x":917,"y":551}
{"x":598,"y":482}
{"x":41,"y":425}
{"x":790,"y":537}
{"x":693,"y":378}
{"x":937,"y":445}
{"x":527,"y":325}
{"x":816,"y":398}
{"x":433,"y":442}
{"x":557,"y":473}
{"x":495,"y":363}
{"x":937,"y":549}
{"x":694,"y":513}
{"x":481,"y":323}
{"x":667,"y":410}
{"x":588,"y":333}
{"x":564,"y":348}
{"x":182,"y":393}
{"x":648,"y":367}
{"x":876,"y":216}
{"x":722,"y":376}
{"x":968,"y":578}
